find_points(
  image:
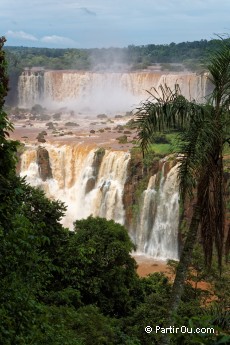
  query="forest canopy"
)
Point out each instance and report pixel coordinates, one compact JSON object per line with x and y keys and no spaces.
{"x":190,"y":54}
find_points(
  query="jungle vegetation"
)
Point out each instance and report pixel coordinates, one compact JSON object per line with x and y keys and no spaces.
{"x":81,"y":287}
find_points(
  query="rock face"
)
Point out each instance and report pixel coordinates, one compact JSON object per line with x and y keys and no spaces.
{"x":138,"y":176}
{"x":151,"y":203}
{"x":43,"y":162}
{"x":97,"y":160}
{"x":135,"y":174}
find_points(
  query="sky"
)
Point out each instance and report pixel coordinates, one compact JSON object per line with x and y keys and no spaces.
{"x":111,"y":23}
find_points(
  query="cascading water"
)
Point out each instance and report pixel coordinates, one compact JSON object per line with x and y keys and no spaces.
{"x":91,"y":182}
{"x":105,"y":91}
{"x":157,"y":230}
{"x":85,"y":188}
{"x":30,"y":88}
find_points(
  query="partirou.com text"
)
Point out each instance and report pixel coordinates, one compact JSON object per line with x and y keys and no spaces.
{"x":181,"y":329}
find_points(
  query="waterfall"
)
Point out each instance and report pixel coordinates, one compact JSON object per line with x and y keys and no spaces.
{"x":30,"y":88}
{"x":90,"y":181}
{"x":76,"y":180}
{"x":102,"y":91}
{"x":157,"y":230}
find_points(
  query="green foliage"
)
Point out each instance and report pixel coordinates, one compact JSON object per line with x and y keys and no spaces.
{"x":152,"y":156}
{"x":206,"y":337}
{"x":152,"y":311}
{"x":122,"y":139}
{"x":25,"y":267}
{"x":29,"y":249}
{"x":100,"y":152}
{"x":84,"y":326}
{"x":57,"y":116}
{"x":106,"y":273}
{"x":191,"y":313}
{"x":71,"y":124}
{"x":37,"y":109}
{"x":21,"y":57}
{"x":7,"y":147}
{"x":220,"y":283}
{"x":161,"y":139}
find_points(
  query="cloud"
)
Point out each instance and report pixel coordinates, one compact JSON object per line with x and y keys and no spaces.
{"x":104,"y":23}
{"x":54,"y":39}
{"x":21,"y":35}
{"x":87,"y":11}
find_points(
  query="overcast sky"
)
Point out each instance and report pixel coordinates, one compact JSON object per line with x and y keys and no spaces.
{"x":111,"y":23}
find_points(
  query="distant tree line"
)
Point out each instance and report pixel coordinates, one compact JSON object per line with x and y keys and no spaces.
{"x":134,"y":57}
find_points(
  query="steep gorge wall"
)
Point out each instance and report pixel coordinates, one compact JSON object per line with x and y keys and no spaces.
{"x":151,"y":202}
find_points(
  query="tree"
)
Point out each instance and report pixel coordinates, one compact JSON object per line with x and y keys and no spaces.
{"x":203,"y":136}
{"x":30,"y":239}
{"x":18,"y":254}
{"x":7,"y":147}
{"x":99,"y":265}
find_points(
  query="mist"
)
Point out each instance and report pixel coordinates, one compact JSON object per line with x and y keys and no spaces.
{"x":109,"y":60}
{"x":84,"y":92}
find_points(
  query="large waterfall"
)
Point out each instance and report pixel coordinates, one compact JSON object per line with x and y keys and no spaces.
{"x":101,"y":91}
{"x":91,"y":182}
{"x":87,"y":186}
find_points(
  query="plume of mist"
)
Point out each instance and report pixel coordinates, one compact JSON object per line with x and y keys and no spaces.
{"x":109,"y":60}
{"x":105,"y":98}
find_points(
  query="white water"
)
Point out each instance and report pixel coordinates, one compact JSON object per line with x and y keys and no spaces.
{"x":88,"y":190}
{"x":73,"y":172}
{"x":157,"y":232}
{"x":101,"y":92}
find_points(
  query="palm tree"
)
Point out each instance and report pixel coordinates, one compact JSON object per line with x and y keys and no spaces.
{"x":202,"y":137}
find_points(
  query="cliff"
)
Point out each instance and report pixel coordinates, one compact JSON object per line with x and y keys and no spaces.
{"x":102,"y":91}
{"x":43,"y":162}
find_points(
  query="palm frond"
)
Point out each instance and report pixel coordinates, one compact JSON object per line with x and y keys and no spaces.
{"x":219,"y":68}
{"x":195,"y":148}
{"x":201,"y":169}
{"x":165,"y":109}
